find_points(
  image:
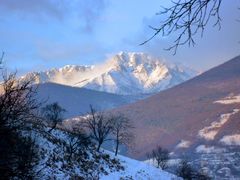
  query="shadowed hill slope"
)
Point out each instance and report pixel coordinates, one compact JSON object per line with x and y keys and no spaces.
{"x":178,"y":114}
{"x":77,"y":100}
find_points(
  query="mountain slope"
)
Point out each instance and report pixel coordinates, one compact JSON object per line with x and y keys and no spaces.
{"x":124,"y":73}
{"x":189,"y":114}
{"x":54,"y":162}
{"x":77,"y":100}
{"x":135,"y":169}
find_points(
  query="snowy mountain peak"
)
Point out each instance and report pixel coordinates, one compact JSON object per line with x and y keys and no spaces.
{"x":124,"y":73}
{"x":133,"y":58}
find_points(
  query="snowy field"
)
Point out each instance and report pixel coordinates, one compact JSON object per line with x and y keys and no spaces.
{"x":229,"y":100}
{"x":138,"y":170}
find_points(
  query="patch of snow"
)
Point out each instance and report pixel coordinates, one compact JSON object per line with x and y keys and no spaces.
{"x":211,"y":131}
{"x":174,"y":162}
{"x":183,"y":144}
{"x":229,"y":100}
{"x":225,"y":171}
{"x":138,"y":170}
{"x":209,"y":149}
{"x":231,"y":139}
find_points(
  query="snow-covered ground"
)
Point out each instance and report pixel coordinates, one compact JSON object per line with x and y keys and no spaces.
{"x":209,"y":132}
{"x":183,"y":144}
{"x":209,"y":149}
{"x":229,"y":100}
{"x":53,"y":164}
{"x":138,"y":170}
{"x":231,"y":139}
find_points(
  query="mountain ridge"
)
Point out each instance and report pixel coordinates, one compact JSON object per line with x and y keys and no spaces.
{"x":124,"y":73}
{"x":77,"y":101}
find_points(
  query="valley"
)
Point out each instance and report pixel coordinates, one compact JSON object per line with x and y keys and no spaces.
{"x":195,"y":119}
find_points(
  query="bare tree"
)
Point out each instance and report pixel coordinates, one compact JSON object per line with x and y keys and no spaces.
{"x":18,"y":108}
{"x":160,"y":156}
{"x":18,"y":104}
{"x":53,"y":113}
{"x":186,"y":18}
{"x":121,"y":131}
{"x":100,"y":126}
{"x":77,"y":144}
{"x":186,"y":171}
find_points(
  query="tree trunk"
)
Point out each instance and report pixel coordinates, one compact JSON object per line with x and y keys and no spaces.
{"x":117,"y":143}
{"x":116,"y":151}
{"x":99,"y":145}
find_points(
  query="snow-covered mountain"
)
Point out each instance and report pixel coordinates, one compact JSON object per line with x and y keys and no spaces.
{"x":124,"y":73}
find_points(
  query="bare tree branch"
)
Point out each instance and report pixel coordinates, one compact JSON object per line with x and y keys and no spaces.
{"x":160,"y":156}
{"x":186,"y":18}
{"x":99,"y":126}
{"x":122,"y":131}
{"x":1,"y":59}
{"x":53,"y":113}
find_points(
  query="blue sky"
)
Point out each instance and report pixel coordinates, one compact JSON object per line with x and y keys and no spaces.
{"x":37,"y":35}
